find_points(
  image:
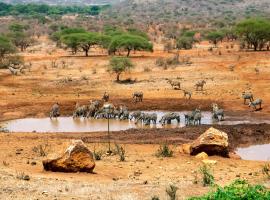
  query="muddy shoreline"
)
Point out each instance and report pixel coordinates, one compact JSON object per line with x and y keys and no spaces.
{"x":242,"y":135}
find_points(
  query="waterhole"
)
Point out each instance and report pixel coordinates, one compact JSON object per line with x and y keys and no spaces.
{"x":255,"y":152}
{"x":68,"y":124}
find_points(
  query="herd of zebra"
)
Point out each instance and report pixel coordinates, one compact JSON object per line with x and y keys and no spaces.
{"x":101,"y":109}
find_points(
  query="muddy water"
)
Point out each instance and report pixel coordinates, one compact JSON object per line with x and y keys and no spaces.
{"x":255,"y":152}
{"x":68,"y":124}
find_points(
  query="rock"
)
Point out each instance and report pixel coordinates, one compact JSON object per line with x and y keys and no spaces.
{"x":26,"y":178}
{"x":209,"y":162}
{"x":185,"y":148}
{"x":212,"y":142}
{"x":77,"y":158}
{"x":202,"y":156}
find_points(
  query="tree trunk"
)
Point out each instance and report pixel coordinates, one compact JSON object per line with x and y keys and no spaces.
{"x":86,"y":52}
{"x":128,"y":52}
{"x":118,"y":77}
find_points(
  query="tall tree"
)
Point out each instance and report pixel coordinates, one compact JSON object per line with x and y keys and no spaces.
{"x":255,"y":32}
{"x":129,"y":42}
{"x":118,"y":65}
{"x":81,"y":40}
{"x":6,"y":47}
{"x":215,"y":37}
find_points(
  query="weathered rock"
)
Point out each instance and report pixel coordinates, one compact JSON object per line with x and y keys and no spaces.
{"x":209,"y":162}
{"x":202,"y":156}
{"x":185,"y":148}
{"x":77,"y":158}
{"x":212,"y":142}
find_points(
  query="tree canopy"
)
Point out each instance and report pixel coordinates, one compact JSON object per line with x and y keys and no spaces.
{"x":6,"y":47}
{"x":254,"y":32}
{"x":215,"y":37}
{"x":129,"y":42}
{"x":81,"y":40}
{"x":119,"y":65}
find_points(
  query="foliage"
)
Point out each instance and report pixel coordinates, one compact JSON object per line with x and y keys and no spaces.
{"x":184,"y":42}
{"x":171,"y":192}
{"x":6,"y":47}
{"x":266,"y":170}
{"x":119,"y":65}
{"x":98,"y":154}
{"x":56,"y":36}
{"x":254,"y":32}
{"x":164,"y":151}
{"x":215,"y":37}
{"x":129,"y":42}
{"x":238,"y":190}
{"x":80,"y":40}
{"x":43,"y":9}
{"x":207,"y":176}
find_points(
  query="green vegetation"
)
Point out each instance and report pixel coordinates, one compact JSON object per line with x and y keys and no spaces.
{"x":81,"y":40}
{"x":19,"y":37}
{"x":215,"y":37}
{"x":238,"y":190}
{"x":121,"y":152}
{"x":207,"y":176}
{"x":255,"y":33}
{"x":129,"y":42}
{"x":164,"y":151}
{"x":6,"y":47}
{"x":118,"y":65}
{"x":43,"y":9}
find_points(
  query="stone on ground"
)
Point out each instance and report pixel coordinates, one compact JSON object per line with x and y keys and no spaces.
{"x":212,"y":142}
{"x":202,"y":156}
{"x":77,"y":158}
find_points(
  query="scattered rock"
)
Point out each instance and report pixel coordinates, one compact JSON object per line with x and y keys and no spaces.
{"x":77,"y":158}
{"x":202,"y":156}
{"x":212,"y":142}
{"x":33,"y":163}
{"x":209,"y":162}
{"x":26,"y":177}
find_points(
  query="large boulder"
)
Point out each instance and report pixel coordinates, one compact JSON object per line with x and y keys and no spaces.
{"x":77,"y":158}
{"x":212,"y":142}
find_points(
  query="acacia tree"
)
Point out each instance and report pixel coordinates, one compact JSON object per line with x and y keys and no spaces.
{"x":81,"y":40}
{"x":19,"y":36}
{"x":254,"y":32}
{"x":129,"y":42}
{"x":118,"y":65}
{"x":215,"y":37}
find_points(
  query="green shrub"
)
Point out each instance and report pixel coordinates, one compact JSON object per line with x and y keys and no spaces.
{"x":164,"y":151}
{"x":238,"y":190}
{"x":121,"y":152}
{"x":207,"y":176}
{"x":266,"y":170}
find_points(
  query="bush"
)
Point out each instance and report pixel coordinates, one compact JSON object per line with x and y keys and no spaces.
{"x":238,"y":190}
{"x":266,"y":170}
{"x":121,"y":152}
{"x":97,"y":154}
{"x":207,"y":177}
{"x":164,"y":151}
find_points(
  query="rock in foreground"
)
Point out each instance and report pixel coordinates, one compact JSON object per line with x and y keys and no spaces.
{"x":212,"y":142}
{"x":77,"y":158}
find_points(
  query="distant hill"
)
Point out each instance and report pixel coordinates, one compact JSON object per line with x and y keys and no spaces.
{"x":189,"y":10}
{"x":64,"y":2}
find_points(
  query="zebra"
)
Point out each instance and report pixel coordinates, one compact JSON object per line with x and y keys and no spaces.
{"x":167,"y":118}
{"x":247,"y":96}
{"x":217,"y":112}
{"x":137,"y":96}
{"x":257,"y":102}
{"x":200,"y":84}
{"x":175,"y":84}
{"x":55,"y":111}
{"x":187,"y":94}
{"x":135,"y":115}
